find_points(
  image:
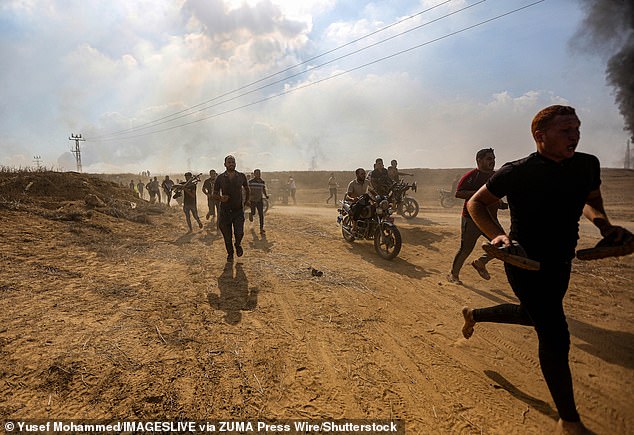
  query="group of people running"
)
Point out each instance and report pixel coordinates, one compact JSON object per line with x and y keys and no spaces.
{"x":227,"y":195}
{"x":154,"y":189}
{"x":547,"y":193}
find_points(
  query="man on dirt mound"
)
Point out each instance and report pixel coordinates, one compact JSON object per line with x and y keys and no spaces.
{"x":547,"y":193}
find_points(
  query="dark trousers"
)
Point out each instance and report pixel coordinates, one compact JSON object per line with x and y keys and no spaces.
{"x":231,"y":224}
{"x":259,"y":206}
{"x":541,"y":296}
{"x":469,"y":234}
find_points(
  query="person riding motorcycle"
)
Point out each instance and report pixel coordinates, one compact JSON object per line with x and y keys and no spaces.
{"x":380,"y":181}
{"x":394,"y":173}
{"x":365,"y":214}
{"x":356,"y":188}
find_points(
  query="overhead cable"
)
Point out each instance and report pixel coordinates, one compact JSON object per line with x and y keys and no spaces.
{"x":149,"y":123}
{"x":304,"y":86}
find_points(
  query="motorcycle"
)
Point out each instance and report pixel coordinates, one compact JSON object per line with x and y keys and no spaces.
{"x":405,"y":206}
{"x":375,"y":223}
{"x":447,"y":198}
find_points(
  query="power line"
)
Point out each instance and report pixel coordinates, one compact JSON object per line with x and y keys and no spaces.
{"x":149,"y":123}
{"x":398,"y":53}
{"x":156,"y":123}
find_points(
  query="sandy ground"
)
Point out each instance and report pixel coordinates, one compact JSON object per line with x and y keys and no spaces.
{"x":102,"y":317}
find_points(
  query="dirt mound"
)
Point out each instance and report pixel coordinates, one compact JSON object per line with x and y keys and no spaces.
{"x":70,"y":196}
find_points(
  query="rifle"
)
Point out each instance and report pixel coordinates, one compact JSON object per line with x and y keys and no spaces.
{"x":178,"y":188}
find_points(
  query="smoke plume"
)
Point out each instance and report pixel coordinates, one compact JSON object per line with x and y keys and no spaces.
{"x":609,"y":29}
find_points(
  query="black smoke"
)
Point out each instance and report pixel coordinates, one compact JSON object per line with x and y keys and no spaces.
{"x":608,"y":29}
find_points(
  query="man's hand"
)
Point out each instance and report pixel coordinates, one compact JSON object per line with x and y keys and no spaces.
{"x":501,"y":240}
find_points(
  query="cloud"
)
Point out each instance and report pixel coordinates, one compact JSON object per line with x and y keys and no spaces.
{"x":102,"y":69}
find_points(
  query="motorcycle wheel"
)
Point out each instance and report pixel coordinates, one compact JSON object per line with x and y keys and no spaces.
{"x":346,"y":227}
{"x":447,"y":201}
{"x":387,"y":241}
{"x":409,"y":208}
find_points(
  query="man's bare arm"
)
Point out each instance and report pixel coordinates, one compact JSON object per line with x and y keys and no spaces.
{"x":478,"y":207}
{"x":465,"y":194}
{"x":595,"y":213}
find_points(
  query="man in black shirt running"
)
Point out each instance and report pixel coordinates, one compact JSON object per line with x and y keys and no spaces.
{"x":228,"y":190}
{"x":547,"y":192}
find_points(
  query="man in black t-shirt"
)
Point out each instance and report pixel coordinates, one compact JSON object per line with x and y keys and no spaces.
{"x":167,"y":186}
{"x":208,"y":190}
{"x":547,"y":193}
{"x":228,"y":190}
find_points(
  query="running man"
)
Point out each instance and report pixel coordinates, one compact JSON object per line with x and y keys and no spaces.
{"x":228,"y":190}
{"x":258,"y":191}
{"x":167,"y":186}
{"x":208,"y":190}
{"x":189,"y":201}
{"x":547,"y":192}
{"x":469,"y":231}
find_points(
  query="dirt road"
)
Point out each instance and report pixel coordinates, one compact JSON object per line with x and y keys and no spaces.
{"x":108,"y":318}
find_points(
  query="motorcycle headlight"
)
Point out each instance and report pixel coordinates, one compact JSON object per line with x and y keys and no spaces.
{"x":384,"y":204}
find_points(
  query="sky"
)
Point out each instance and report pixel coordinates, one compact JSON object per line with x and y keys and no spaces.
{"x":175,"y":85}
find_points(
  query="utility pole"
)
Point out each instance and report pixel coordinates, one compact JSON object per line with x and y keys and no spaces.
{"x":37,"y":160}
{"x":628,"y":157}
{"x":77,"y":138}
